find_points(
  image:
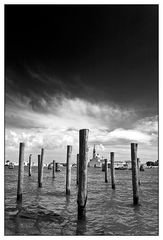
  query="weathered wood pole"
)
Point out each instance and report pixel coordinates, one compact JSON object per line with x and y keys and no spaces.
{"x":112,"y":170}
{"x":68,"y":169}
{"x":106,"y":170}
{"x":53,"y":172}
{"x":83,"y":161}
{"x":56,"y":166}
{"x":29,"y":166}
{"x":20,"y":172}
{"x":42,"y":155}
{"x":138,"y":165}
{"x":39,"y":167}
{"x":77,"y":170}
{"x":134,"y":173}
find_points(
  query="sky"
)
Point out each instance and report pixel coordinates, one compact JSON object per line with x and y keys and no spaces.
{"x":81,"y":67}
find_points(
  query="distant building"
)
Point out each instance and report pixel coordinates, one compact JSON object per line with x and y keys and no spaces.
{"x":96,"y":161}
{"x":128,"y":164}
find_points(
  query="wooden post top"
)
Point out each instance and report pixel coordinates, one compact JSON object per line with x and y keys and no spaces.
{"x":69,"y":146}
{"x":134,"y":144}
{"x":83,"y":130}
{"x":22,"y":144}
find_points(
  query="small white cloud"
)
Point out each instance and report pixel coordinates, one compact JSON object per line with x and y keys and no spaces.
{"x":148,"y":124}
{"x":132,"y":135}
{"x":100,"y":147}
{"x":119,"y":135}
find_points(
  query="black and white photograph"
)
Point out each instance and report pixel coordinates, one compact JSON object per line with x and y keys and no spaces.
{"x":81,"y":119}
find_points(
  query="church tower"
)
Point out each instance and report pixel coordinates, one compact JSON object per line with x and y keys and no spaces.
{"x":94,"y":152}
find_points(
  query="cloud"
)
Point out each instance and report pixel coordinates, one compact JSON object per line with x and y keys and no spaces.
{"x":56,"y":140}
{"x":34,"y":139}
{"x":120,"y":135}
{"x":65,"y":112}
{"x":57,"y":127}
{"x":132,"y":135}
{"x":148,"y":124}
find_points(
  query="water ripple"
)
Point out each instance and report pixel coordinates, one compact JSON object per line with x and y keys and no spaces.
{"x":48,"y":211}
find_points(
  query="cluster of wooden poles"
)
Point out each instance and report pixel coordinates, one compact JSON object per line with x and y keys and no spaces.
{"x":82,"y":163}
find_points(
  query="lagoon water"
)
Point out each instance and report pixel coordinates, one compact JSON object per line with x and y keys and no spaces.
{"x":47,"y":211}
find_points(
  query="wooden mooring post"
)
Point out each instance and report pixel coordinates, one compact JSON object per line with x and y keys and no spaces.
{"x":56,"y":167}
{"x":83,"y":160}
{"x":106,"y":170}
{"x":41,"y":167}
{"x":42,"y":155}
{"x":77,"y":170}
{"x":134,"y":173}
{"x":68,"y":169}
{"x":20,"y":172}
{"x":138,"y":165}
{"x":112,"y":170}
{"x":30,"y":166}
{"x":53,"y":172}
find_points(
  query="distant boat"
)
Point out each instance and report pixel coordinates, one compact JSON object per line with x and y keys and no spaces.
{"x":97,"y":166}
{"x":11,"y":165}
{"x":121,"y":168}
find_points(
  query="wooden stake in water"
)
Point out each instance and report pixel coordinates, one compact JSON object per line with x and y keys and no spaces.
{"x":42,"y":155}
{"x":20,"y":172}
{"x":56,"y":167}
{"x":83,"y":161}
{"x":29,"y":166}
{"x":106,"y":170}
{"x":77,"y":170}
{"x":138,"y":165}
{"x":53,"y":169}
{"x":68,"y":169}
{"x":134,"y":173}
{"x":39,"y":167}
{"x":112,"y":170}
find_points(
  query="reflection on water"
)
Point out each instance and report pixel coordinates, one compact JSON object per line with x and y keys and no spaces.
{"x":49,"y":211}
{"x":81,"y":226}
{"x":67,"y":200}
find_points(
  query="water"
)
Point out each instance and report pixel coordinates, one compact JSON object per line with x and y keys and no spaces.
{"x":47,"y":211}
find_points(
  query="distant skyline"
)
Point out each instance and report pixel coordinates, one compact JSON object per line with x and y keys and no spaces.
{"x":71,"y":67}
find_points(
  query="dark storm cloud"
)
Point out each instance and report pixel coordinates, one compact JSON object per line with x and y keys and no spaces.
{"x":41,"y":85}
{"x":99,"y":53}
